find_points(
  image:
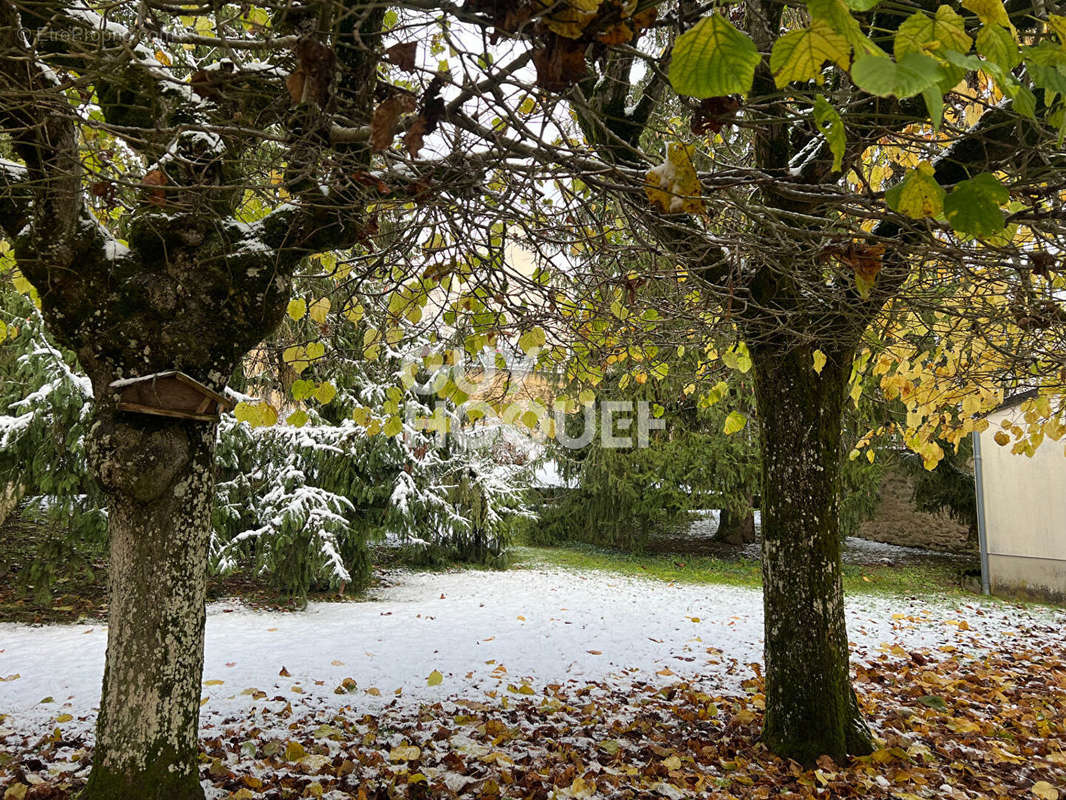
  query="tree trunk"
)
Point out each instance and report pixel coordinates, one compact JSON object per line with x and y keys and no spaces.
{"x":734,"y":528}
{"x":811,"y":709}
{"x":158,"y":476}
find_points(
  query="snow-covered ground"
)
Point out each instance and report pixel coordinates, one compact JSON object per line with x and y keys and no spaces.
{"x":704,"y":526}
{"x":481,"y":631}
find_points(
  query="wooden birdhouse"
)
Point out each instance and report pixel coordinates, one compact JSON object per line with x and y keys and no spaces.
{"x":171,"y":394}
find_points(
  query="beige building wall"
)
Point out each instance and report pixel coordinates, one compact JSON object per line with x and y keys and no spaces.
{"x":1025,"y":515}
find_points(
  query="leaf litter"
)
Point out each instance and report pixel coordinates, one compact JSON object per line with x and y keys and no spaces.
{"x":966,"y":701}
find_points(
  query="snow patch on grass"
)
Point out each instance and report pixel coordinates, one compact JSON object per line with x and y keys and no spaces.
{"x":483,"y":632}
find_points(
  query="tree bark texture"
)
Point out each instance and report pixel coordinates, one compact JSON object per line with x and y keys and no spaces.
{"x":811,"y":708}
{"x":158,"y":476}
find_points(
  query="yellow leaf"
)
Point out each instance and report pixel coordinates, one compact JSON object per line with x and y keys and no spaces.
{"x":325,"y":393}
{"x":296,"y":357}
{"x":1002,"y":439}
{"x":294,"y":751}
{"x":162,"y":58}
{"x":569,"y":19}
{"x":258,"y":415}
{"x":674,"y":187}
{"x":404,"y":752}
{"x":918,"y":195}
{"x":1045,"y":791}
{"x":964,"y":726}
{"x":319,"y":309}
{"x":213,"y":682}
{"x":799,"y":55}
{"x":16,"y":791}
{"x":434,"y":678}
{"x":297,"y":308}
{"x":734,"y":422}
{"x":819,"y":361}
{"x":990,"y":12}
{"x":64,"y":718}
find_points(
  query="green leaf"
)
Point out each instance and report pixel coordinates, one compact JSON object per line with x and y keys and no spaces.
{"x":737,"y":357}
{"x":933,"y":701}
{"x":828,"y":120}
{"x":883,"y":77}
{"x":998,"y":46}
{"x":918,"y":195}
{"x":1057,"y":23}
{"x":393,"y":426}
{"x":302,"y":389}
{"x":434,"y":678}
{"x":1046,"y":65}
{"x":861,"y":5}
{"x":713,"y":59}
{"x":920,"y":33}
{"x":734,"y":422}
{"x":934,"y":104}
{"x":1024,"y":101}
{"x":799,"y":55}
{"x":973,"y":207}
{"x":839,"y":17}
{"x":297,"y":418}
{"x":532,"y":340}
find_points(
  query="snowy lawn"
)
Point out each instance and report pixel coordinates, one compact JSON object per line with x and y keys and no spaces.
{"x":485,"y":637}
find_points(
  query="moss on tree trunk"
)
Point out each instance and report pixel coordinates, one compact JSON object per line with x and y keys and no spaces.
{"x":811,"y":709}
{"x":159,"y":479}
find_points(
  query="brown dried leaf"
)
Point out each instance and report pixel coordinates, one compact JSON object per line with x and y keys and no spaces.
{"x":560,"y":62}
{"x":313,"y":78}
{"x":415,"y":137}
{"x":403,"y":55}
{"x":863,"y":259}
{"x":713,"y":113}
{"x":616,"y":34}
{"x":295,"y":84}
{"x":156,"y":179}
{"x":386,"y":117}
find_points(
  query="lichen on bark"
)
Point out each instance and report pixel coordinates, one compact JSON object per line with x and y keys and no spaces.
{"x":811,"y":708}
